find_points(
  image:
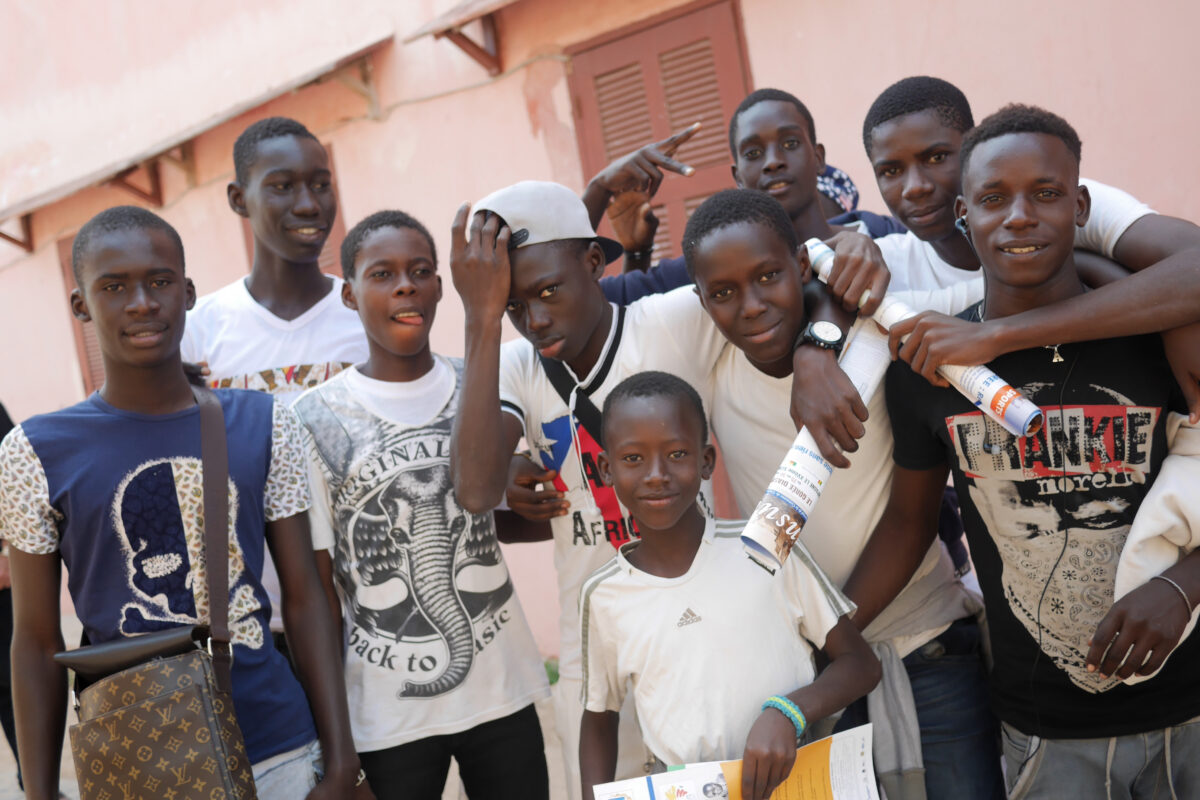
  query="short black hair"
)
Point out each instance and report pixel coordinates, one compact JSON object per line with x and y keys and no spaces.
{"x":919,"y":93}
{"x":657,"y":384}
{"x":729,"y":207}
{"x":1017,"y":118}
{"x":761,"y":96}
{"x":111,"y":220}
{"x":380,"y":219}
{"x":246,"y":146}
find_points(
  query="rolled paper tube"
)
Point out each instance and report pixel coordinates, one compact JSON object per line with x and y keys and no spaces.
{"x":793,"y":493}
{"x":1016,"y":413}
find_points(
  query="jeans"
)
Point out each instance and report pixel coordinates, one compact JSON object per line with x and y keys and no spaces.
{"x":959,"y":733}
{"x":1163,"y":763}
{"x":290,"y":775}
{"x":504,"y":759}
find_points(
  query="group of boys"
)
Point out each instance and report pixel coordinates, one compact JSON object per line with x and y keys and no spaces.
{"x":372,"y":479}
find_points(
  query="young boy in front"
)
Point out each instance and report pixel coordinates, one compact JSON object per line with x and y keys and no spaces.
{"x":440,"y":662}
{"x":1047,"y":515}
{"x":718,"y":652}
{"x":111,"y":489}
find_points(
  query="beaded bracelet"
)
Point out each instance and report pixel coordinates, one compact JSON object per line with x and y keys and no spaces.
{"x":789,"y":710}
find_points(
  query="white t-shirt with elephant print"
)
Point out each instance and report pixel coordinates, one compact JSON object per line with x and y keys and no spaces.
{"x":437,"y":642}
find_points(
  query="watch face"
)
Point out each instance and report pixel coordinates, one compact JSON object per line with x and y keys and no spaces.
{"x":827,"y":332}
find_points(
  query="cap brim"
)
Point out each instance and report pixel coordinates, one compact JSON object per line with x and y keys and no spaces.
{"x":611,"y":247}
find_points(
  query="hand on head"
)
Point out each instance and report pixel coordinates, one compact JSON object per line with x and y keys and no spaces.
{"x":479,"y":262}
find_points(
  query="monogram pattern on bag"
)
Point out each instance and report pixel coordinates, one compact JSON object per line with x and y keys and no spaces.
{"x":147,"y":733}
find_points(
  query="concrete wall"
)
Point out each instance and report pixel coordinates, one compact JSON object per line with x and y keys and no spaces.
{"x":450,"y":134}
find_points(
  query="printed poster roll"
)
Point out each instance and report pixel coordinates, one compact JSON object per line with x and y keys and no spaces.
{"x":793,"y":492}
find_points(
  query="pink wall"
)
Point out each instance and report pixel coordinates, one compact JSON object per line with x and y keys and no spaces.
{"x":450,"y":134}
{"x":1121,"y":79}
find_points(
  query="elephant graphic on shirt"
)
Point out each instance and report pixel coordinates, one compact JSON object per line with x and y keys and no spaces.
{"x":410,"y":542}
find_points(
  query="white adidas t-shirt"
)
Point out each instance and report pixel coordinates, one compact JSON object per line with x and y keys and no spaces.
{"x":702,"y":651}
{"x":914,"y":264}
{"x":437,"y":640}
{"x":248,"y":347}
{"x":660,"y":332}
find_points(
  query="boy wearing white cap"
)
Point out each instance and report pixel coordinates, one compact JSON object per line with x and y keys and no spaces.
{"x":531,"y":251}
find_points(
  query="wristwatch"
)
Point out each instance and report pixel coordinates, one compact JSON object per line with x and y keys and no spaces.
{"x":823,"y":334}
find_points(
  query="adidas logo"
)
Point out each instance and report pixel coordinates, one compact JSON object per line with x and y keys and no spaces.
{"x":688,"y":618}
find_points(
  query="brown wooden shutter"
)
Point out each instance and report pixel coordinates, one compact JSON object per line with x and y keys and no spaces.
{"x":642,"y":86}
{"x":87,"y":346}
{"x":330,"y":260}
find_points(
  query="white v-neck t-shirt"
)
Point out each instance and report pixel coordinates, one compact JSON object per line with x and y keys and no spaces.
{"x":248,"y":347}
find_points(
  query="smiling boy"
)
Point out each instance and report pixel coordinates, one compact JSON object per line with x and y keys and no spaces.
{"x":700,"y":634}
{"x":441,"y":663}
{"x":128,"y":532}
{"x":283,"y":328}
{"x":1047,"y":515}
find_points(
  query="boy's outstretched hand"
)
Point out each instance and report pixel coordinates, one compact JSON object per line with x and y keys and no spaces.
{"x":639,"y":171}
{"x":479,"y":263}
{"x":642,"y":170}
{"x":769,"y":756}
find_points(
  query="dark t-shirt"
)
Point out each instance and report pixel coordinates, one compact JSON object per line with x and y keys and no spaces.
{"x":119,"y":496}
{"x":1046,"y":518}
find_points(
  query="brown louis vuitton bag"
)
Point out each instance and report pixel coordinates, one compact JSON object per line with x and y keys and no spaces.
{"x":158,"y":720}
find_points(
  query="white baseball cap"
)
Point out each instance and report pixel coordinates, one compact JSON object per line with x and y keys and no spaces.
{"x":541,"y":211}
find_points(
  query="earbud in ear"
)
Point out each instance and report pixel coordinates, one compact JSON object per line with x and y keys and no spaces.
{"x":961,"y":224}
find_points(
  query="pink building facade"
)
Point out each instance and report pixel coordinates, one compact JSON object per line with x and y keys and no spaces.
{"x":424,"y":127}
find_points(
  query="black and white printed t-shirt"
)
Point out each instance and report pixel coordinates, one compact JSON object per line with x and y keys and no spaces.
{"x":437,"y":640}
{"x":1046,"y":518}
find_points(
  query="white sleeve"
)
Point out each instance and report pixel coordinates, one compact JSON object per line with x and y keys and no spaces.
{"x":814,"y":600}
{"x":286,"y":493}
{"x":27,"y":520}
{"x":190,"y":348}
{"x":603,"y":687}
{"x":949,"y":300}
{"x":320,"y":514}
{"x":1167,"y":524}
{"x":897,"y":255}
{"x":1113,"y":211}
{"x":676,"y":335}
{"x":514,"y":378}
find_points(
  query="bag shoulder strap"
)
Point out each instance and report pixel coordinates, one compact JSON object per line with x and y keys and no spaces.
{"x":214,"y":457}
